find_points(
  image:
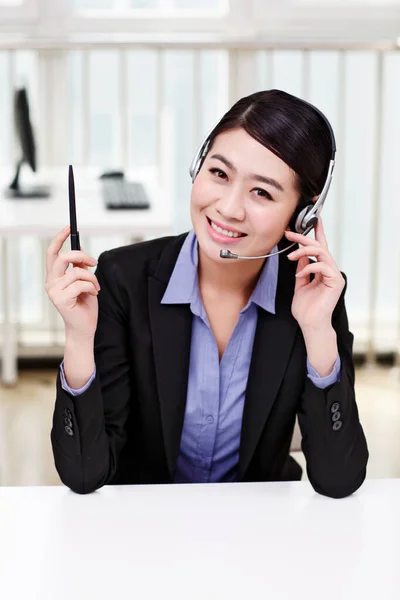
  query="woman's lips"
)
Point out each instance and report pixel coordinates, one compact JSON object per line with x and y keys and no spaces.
{"x":225,"y":227}
{"x":221,"y":238}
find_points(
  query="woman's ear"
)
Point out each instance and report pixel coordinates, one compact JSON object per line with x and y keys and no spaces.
{"x":292,"y":222}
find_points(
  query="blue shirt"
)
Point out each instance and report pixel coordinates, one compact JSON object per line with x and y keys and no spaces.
{"x":209,"y":449}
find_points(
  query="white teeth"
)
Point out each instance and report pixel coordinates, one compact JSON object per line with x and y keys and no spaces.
{"x":224,"y":231}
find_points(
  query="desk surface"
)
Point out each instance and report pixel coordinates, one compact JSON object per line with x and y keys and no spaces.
{"x":46,"y":217}
{"x":271,"y":541}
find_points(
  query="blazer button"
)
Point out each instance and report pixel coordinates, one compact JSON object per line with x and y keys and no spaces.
{"x":68,"y":413}
{"x":337,"y":425}
{"x":70,"y":432}
{"x":335,"y":407}
{"x":68,"y":422}
{"x":336,"y":416}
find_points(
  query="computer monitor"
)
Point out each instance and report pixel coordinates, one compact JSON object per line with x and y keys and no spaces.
{"x":26,"y":140}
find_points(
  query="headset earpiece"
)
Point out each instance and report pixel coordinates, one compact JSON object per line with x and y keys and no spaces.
{"x":304,"y":220}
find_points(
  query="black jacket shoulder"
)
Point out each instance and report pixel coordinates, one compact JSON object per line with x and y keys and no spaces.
{"x":144,"y":257}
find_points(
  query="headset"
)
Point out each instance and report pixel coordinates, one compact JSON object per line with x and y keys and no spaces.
{"x":307,"y":217}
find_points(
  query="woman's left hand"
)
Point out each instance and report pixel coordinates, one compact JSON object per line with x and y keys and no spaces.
{"x":314,"y":301}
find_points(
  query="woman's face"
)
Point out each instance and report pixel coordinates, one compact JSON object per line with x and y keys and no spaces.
{"x":243,"y":197}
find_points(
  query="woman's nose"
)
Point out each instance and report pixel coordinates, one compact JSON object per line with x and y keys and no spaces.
{"x":231,"y":204}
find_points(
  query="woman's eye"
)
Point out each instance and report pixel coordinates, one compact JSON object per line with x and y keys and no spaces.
{"x":218,"y":173}
{"x":263,"y":193}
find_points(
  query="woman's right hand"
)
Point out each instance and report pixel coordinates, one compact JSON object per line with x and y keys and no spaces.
{"x":73,"y":292}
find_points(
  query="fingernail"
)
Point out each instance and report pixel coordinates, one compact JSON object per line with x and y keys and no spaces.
{"x":66,"y":227}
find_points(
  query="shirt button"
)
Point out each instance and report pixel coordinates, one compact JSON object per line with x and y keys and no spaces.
{"x":210,"y":419}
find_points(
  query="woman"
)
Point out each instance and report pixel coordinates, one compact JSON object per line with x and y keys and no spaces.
{"x":182,"y":366}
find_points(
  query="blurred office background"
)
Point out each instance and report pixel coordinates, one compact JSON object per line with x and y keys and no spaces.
{"x":131,"y":84}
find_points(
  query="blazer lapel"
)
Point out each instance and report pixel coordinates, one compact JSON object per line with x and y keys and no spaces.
{"x":273,"y":342}
{"x":171,"y":327}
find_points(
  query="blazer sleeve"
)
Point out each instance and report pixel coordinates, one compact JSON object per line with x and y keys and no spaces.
{"x":88,"y":430}
{"x":333,"y":441}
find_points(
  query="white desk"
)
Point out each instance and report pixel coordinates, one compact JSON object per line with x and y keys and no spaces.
{"x":278,"y":541}
{"x":44,"y":218}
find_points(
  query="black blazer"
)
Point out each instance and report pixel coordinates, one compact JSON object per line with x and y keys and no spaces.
{"x":126,"y":427}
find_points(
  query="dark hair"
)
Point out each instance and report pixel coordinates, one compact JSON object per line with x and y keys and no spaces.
{"x":291,"y":129}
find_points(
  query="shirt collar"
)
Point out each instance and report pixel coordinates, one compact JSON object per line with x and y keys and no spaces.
{"x":183,"y":284}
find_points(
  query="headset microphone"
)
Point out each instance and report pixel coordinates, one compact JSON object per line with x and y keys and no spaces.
{"x":228,"y":254}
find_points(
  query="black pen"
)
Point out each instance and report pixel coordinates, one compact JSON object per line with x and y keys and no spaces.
{"x":75,"y":244}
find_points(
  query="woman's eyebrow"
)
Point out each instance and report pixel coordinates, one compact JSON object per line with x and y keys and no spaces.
{"x":260,"y":178}
{"x":268,"y":181}
{"x":225,"y":161}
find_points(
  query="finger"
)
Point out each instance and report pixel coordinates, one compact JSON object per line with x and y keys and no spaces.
{"x":79,"y":287}
{"x":300,"y":238}
{"x":83,"y":265}
{"x":76,"y":257}
{"x":329,"y":276}
{"x":320,"y":233}
{"x":75,"y":274}
{"x":55,"y":246}
{"x":301,"y":281}
{"x":316,"y":251}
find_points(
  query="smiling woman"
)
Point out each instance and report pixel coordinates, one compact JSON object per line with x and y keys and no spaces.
{"x":292,"y":131}
{"x":180,"y":366}
{"x":242,"y":186}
